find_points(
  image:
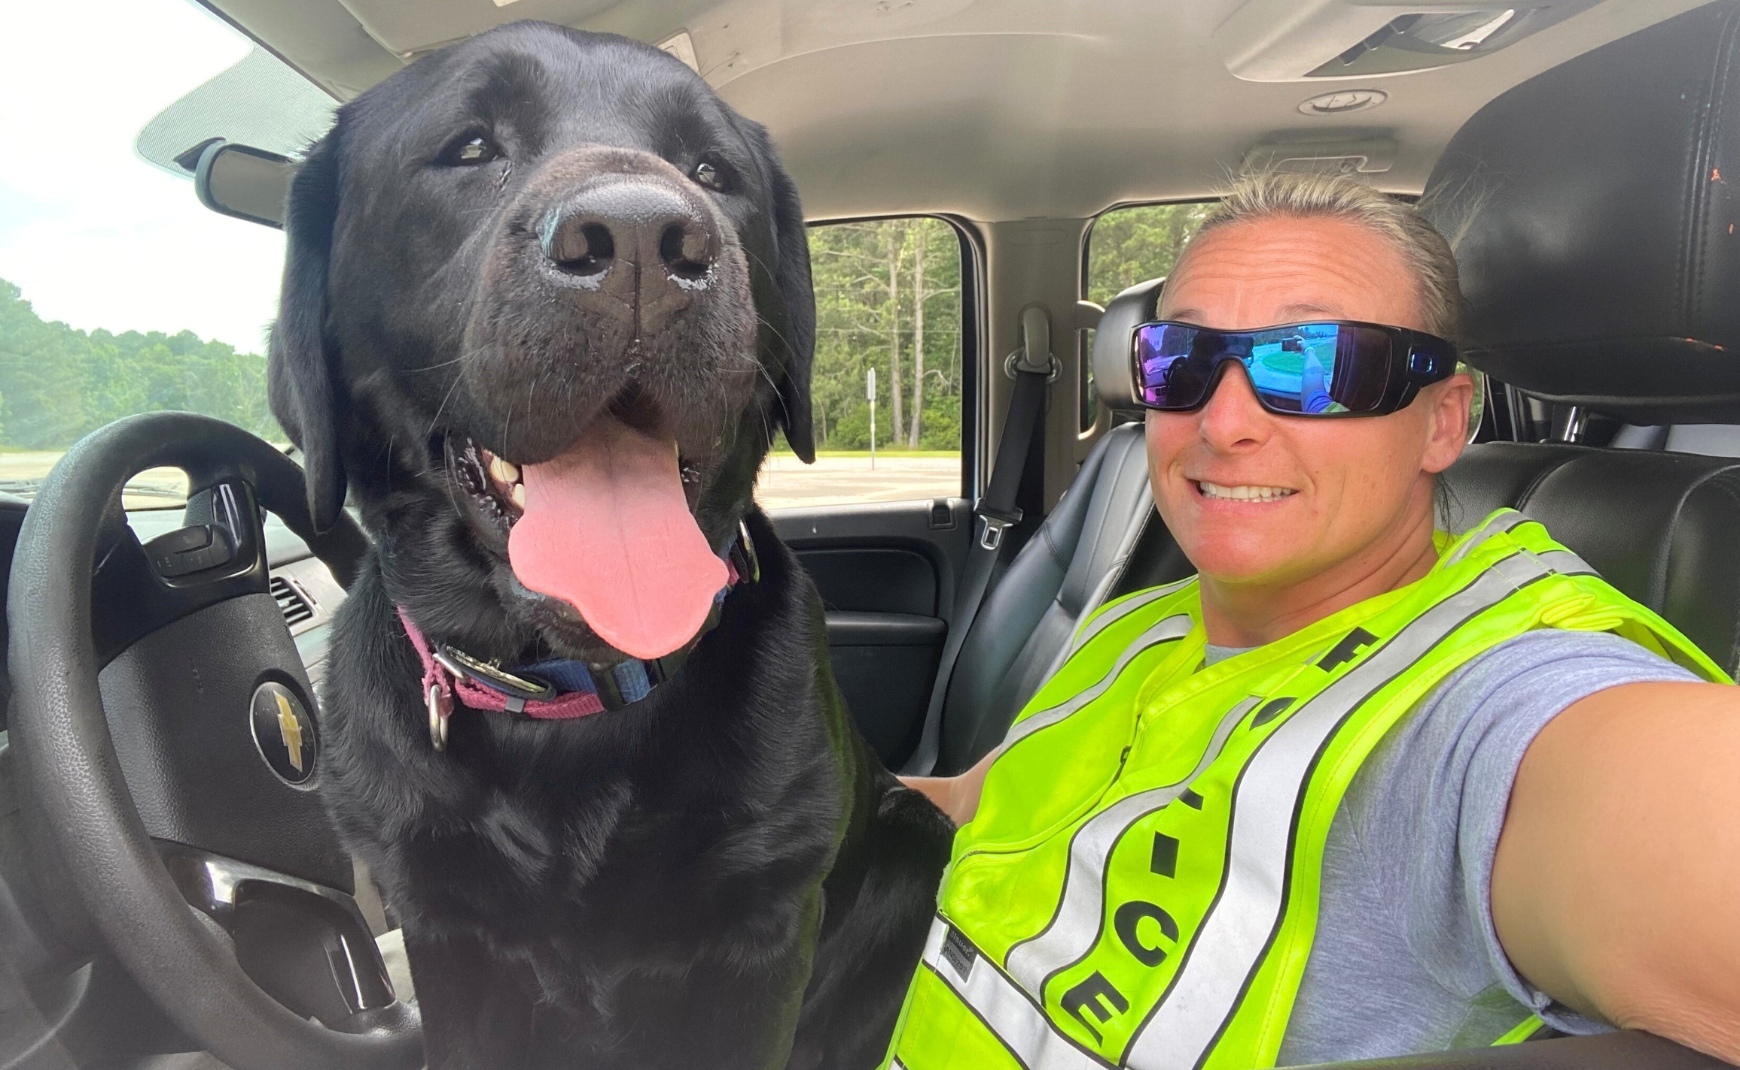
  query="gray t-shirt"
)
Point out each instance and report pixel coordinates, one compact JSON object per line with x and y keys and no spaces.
{"x":1406,"y":959}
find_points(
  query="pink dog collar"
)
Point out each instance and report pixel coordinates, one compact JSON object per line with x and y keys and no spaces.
{"x":555,"y":690}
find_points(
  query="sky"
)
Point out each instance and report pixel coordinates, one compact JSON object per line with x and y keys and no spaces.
{"x":91,"y":233}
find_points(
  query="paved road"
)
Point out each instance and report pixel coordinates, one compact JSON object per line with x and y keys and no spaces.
{"x":786,"y":481}
{"x":156,"y":488}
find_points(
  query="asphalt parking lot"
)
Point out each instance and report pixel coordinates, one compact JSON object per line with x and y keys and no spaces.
{"x":786,"y":481}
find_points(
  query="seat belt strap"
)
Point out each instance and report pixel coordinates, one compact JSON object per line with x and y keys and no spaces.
{"x":995,"y":513}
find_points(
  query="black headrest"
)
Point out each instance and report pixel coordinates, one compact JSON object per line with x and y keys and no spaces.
{"x":1597,"y":218}
{"x":1114,"y":381}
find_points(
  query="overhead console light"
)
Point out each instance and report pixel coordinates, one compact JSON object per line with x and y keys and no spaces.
{"x":1343,"y":101}
{"x":1356,"y":156}
{"x":1299,"y":40}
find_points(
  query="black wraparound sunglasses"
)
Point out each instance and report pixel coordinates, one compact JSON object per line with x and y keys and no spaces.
{"x":1324,"y":368}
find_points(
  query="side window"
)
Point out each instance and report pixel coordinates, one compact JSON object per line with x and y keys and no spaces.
{"x":888,"y":309}
{"x":1127,"y":246}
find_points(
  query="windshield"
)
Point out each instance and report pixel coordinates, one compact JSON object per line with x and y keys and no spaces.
{"x":119,"y":292}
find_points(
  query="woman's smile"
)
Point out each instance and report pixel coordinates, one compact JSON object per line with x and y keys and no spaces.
{"x":1244,"y":493}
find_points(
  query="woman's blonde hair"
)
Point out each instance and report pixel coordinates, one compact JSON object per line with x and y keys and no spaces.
{"x":1270,"y":194}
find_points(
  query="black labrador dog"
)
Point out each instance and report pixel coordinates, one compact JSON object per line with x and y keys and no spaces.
{"x":546,"y":301}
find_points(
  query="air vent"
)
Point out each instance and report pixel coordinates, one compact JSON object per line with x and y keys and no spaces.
{"x":295,"y":605}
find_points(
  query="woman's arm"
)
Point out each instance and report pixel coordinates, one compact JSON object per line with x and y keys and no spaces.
{"x":1614,"y":887}
{"x":956,"y":796}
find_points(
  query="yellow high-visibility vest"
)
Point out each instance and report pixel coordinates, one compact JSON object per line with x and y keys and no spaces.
{"x":1140,"y":885}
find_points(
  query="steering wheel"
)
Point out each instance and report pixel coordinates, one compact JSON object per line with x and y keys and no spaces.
{"x":177,"y":649}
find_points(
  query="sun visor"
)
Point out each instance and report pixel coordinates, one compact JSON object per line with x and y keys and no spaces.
{"x":1113,"y":375}
{"x":410,"y":29}
{"x":1593,"y":212}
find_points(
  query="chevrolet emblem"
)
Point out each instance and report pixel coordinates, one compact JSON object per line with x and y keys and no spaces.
{"x":283,"y":732}
{"x":289,"y":730}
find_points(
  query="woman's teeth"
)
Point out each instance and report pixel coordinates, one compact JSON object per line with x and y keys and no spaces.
{"x":1243,"y":493}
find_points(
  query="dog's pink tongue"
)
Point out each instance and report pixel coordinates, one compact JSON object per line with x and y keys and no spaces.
{"x":607,"y":530}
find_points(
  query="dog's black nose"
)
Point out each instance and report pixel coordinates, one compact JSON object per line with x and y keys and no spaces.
{"x":664,"y":238}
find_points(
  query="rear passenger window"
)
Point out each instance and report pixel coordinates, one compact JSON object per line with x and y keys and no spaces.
{"x":1124,"y":247}
{"x":888,"y":302}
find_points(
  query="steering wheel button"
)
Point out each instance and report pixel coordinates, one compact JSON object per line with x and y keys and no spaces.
{"x":171,"y":565}
{"x":181,"y":540}
{"x":189,"y":550}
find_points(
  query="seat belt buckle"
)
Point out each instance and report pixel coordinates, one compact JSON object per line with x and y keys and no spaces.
{"x":996,"y":520}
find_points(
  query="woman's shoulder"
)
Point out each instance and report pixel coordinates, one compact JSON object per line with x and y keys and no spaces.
{"x":1483,"y":715}
{"x":1565,"y":651}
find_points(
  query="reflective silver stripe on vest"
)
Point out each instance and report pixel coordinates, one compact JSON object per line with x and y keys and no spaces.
{"x":1076,"y":924}
{"x":1006,"y":1011}
{"x":1167,"y":630}
{"x":1119,"y":612}
{"x":1236,"y":934}
{"x":1502,"y":522}
{"x":1566,"y":563}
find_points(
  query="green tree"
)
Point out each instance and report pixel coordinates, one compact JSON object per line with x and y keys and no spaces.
{"x":1131,"y":245}
{"x":887,"y":296}
{"x":1135,"y":244}
{"x":58,"y":384}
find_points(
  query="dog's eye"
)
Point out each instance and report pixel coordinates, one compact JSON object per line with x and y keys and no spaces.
{"x":713,"y":173}
{"x":470,"y":151}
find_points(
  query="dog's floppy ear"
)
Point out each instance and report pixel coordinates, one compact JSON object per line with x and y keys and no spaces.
{"x":791,"y":271}
{"x":301,"y":381}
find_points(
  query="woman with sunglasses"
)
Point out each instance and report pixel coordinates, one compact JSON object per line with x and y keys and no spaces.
{"x":1359,"y":787}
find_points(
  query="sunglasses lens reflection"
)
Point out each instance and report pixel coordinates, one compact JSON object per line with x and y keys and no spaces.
{"x":1307,"y":368}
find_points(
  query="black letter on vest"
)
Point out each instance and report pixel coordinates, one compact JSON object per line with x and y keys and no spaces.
{"x":1092,"y":995}
{"x":1347,"y":649}
{"x":1125,"y":921}
{"x":1163,"y":858}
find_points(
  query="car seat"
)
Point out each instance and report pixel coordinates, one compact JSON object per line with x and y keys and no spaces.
{"x":1028,"y":615}
{"x":1595,"y":232}
{"x":1103,"y":538}
{"x":1670,"y":145}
